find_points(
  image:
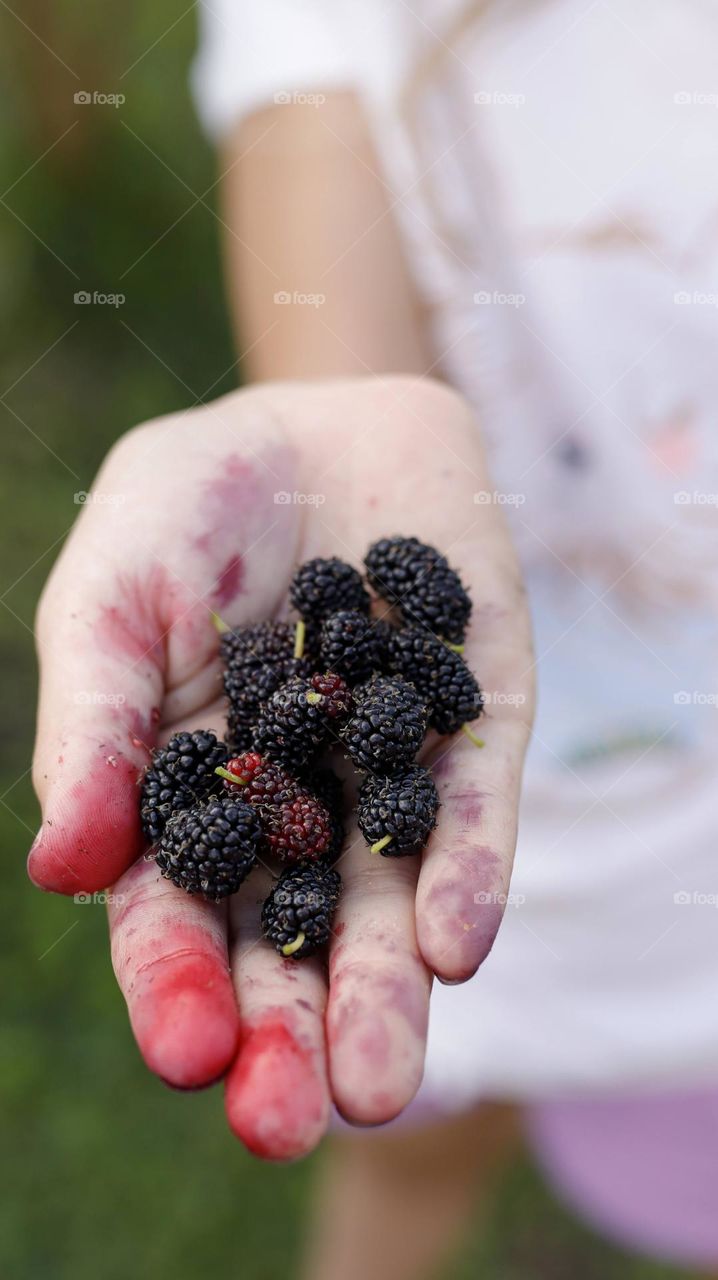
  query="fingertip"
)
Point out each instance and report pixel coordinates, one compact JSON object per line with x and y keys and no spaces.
{"x":186,"y":1023}
{"x":459,"y":912}
{"x":193,"y":1088}
{"x":48,"y":871}
{"x":454,"y":982}
{"x":456,"y":970}
{"x":372,"y":1110}
{"x":35,"y":865}
{"x":70,"y":866}
{"x":456,"y":950}
{"x":276,"y":1098}
{"x":90,"y":833}
{"x":376,"y":1059}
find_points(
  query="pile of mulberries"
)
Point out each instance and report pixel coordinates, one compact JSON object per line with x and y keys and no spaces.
{"x":338,"y":680}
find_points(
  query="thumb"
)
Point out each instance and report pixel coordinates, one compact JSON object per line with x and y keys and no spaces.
{"x":101,"y":686}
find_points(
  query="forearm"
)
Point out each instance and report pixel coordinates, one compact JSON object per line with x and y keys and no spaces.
{"x":307,"y":215}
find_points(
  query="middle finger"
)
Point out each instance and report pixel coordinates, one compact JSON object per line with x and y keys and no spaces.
{"x":379,"y":988}
{"x":277,"y":1093}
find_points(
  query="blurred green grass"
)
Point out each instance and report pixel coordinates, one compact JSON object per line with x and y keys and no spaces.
{"x":106,"y":1172}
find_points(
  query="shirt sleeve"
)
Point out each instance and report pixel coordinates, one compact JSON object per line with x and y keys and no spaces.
{"x":255,"y":52}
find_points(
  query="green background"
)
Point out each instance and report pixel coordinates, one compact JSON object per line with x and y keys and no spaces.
{"x":106,"y":1172}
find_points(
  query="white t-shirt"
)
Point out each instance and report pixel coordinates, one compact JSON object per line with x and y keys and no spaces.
{"x":565,"y":239}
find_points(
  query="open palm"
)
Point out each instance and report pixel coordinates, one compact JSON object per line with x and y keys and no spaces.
{"x":210,"y":511}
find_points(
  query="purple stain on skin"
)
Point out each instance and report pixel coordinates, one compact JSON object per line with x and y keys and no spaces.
{"x":460,"y":915}
{"x":289,"y":971}
{"x":444,"y":767}
{"x":235,"y":486}
{"x":468,"y":806}
{"x":233,"y":512}
{"x":229,"y":582}
{"x":373,"y":1042}
{"x":478,"y":867}
{"x":226,"y":500}
{"x":345,"y":1010}
{"x":365,"y":1022}
{"x":114,"y":633}
{"x":131,"y":627}
{"x":402,"y":996}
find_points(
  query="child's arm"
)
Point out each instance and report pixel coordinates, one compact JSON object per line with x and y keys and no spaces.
{"x":308,"y":214}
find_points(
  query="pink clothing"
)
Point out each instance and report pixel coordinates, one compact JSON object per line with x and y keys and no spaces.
{"x":643,"y":1169}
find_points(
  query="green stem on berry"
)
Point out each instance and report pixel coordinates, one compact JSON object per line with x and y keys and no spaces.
{"x":314,"y":698}
{"x":299,"y":638}
{"x":456,"y":648}
{"x":380,"y":844}
{"x":478,"y":742}
{"x":219,"y":624}
{"x":231,"y":777}
{"x":290,"y":947}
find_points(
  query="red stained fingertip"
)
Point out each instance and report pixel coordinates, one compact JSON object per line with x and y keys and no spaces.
{"x":276,"y":1099}
{"x":184,"y":1017}
{"x":91,"y":833}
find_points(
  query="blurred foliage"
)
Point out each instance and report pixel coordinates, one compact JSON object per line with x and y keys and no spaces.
{"x":106,"y":1172}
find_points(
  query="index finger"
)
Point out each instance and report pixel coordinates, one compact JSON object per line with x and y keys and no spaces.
{"x":102,"y":677}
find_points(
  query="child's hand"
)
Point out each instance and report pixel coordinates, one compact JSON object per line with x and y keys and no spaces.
{"x":211,"y":511}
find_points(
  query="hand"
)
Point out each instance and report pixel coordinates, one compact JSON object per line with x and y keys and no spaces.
{"x":185,"y":519}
